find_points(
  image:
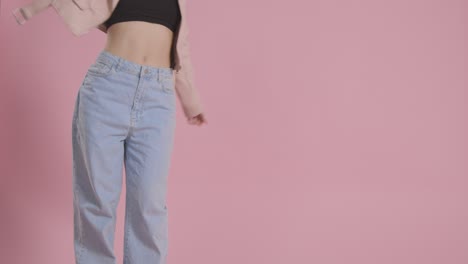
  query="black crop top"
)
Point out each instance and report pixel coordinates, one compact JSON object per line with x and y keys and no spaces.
{"x":164,"y":12}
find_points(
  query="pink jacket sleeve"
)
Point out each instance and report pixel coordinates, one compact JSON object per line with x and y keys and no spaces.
{"x":185,"y":83}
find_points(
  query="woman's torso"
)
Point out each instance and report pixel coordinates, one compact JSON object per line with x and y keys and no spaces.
{"x":141,"y":39}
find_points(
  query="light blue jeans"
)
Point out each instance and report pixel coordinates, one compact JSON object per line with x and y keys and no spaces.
{"x":124,"y":117}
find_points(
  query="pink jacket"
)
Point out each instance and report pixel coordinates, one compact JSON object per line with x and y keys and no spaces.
{"x":80,"y":16}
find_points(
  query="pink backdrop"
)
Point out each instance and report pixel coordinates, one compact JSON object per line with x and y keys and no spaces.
{"x":337,"y":134}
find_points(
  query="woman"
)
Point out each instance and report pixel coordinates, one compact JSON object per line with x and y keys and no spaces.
{"x":125,"y":115}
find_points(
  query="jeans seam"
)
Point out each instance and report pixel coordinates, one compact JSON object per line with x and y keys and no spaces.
{"x":127,"y":227}
{"x":75,"y":137}
{"x":80,"y":229}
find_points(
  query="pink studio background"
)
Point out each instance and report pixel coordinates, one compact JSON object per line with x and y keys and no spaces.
{"x":337,"y":133}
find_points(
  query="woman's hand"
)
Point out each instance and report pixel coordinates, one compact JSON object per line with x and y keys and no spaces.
{"x":197,"y":120}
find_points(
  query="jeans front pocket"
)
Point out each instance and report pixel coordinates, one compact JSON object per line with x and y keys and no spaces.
{"x":101,"y":68}
{"x":167,"y":83}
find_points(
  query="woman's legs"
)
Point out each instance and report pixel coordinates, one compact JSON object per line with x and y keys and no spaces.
{"x":148,"y":148}
{"x":124,"y":115}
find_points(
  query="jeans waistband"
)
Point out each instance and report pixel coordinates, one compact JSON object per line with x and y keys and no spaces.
{"x":122,"y":64}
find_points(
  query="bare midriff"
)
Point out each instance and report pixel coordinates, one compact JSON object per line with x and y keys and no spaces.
{"x":141,"y":42}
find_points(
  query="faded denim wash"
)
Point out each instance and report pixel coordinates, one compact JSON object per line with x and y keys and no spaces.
{"x":124,"y":117}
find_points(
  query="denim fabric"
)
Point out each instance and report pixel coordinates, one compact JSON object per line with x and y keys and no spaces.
{"x":124,"y":118}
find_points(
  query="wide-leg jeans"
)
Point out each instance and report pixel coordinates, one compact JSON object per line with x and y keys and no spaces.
{"x":124,"y":118}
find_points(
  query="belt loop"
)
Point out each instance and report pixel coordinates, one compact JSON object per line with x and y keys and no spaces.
{"x":142,"y":71}
{"x":117,"y":64}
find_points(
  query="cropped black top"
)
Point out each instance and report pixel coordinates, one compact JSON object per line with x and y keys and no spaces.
{"x":164,"y":12}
